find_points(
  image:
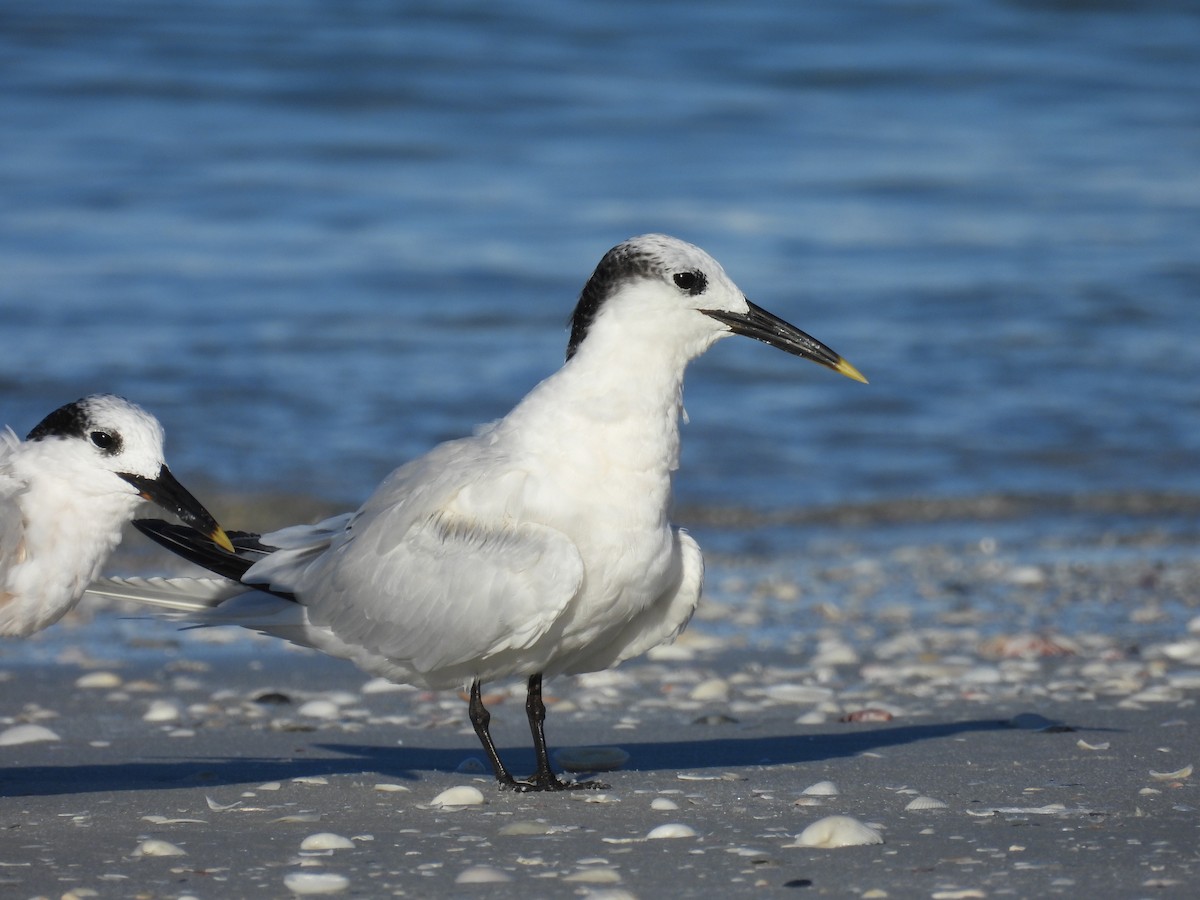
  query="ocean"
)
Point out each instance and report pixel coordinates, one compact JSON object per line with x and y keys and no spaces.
{"x":316,"y":239}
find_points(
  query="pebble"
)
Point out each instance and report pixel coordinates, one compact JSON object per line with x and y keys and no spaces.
{"x":463,"y":795}
{"x":315,"y":882}
{"x":837,"y":831}
{"x":26,"y":734}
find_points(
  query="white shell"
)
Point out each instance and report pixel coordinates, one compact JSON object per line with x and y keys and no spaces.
{"x":663,"y":803}
{"x":98,"y":680}
{"x":320,"y":709}
{"x":822,"y":789}
{"x":926,"y":803}
{"x":481,"y":875}
{"x":711,"y":689}
{"x":671,"y":830}
{"x":154,"y":847}
{"x":326,"y":840}
{"x":161,"y":711}
{"x":1185,"y":772}
{"x":463,"y":795}
{"x":315,"y":882}
{"x":26,"y":734}
{"x":837,"y":831}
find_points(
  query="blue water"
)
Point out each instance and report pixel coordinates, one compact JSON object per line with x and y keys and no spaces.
{"x":317,"y":238}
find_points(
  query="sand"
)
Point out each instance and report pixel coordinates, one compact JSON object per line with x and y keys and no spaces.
{"x":992,"y":758}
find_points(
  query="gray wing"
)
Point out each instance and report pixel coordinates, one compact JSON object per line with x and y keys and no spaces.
{"x":426,"y":575}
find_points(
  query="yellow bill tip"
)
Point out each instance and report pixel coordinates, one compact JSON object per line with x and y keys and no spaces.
{"x":221,"y":539}
{"x":849,"y":371}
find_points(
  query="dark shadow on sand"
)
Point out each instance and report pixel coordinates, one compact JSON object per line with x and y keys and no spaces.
{"x":408,"y":763}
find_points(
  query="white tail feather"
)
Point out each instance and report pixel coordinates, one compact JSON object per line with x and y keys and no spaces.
{"x":179,"y":594}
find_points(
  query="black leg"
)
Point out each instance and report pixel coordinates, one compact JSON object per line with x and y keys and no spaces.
{"x":544,"y":779}
{"x":480,"y":719}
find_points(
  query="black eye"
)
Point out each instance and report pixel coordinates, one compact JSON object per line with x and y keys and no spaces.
{"x":103,"y":440}
{"x":692,"y":282}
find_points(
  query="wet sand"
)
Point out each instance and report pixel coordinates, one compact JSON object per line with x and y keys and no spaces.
{"x":1062,"y":753}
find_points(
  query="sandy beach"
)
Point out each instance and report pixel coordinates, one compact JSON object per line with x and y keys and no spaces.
{"x":137,"y":759}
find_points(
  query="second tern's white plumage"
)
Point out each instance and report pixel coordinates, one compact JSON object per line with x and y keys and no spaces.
{"x":66,"y":491}
{"x":541,"y":544}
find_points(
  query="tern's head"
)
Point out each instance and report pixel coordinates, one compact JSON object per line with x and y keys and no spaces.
{"x":103,"y":444}
{"x":675,"y":294}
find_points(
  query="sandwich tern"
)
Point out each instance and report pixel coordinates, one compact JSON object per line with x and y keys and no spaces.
{"x":541,"y":545}
{"x":65,"y":493}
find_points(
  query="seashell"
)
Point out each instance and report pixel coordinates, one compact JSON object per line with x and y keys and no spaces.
{"x":837,"y":831}
{"x":663,"y":803}
{"x":711,"y":689}
{"x":822,"y":789}
{"x":597,"y":875}
{"x":1185,"y":772}
{"x":463,"y":795}
{"x":320,"y":709}
{"x":1084,"y":745}
{"x":926,"y":803}
{"x":326,"y":840}
{"x":154,"y":847}
{"x":482,"y":875}
{"x":161,"y":711}
{"x":315,"y":882}
{"x":26,"y":734}
{"x":671,"y":830}
{"x":105,"y":680}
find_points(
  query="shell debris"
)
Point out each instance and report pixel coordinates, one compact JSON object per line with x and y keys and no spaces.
{"x":926,"y":803}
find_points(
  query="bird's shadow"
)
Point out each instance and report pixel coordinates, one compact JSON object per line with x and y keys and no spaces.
{"x":408,"y":763}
